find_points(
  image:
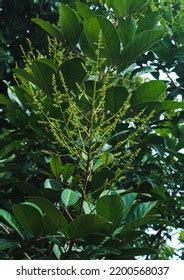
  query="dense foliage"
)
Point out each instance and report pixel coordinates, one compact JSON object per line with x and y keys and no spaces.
{"x":91,"y":164}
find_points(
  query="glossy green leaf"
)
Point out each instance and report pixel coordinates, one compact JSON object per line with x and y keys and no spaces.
{"x":55,"y":165}
{"x":101,"y":26}
{"x":12,"y":222}
{"x":70,"y":197}
{"x":69,"y":23}
{"x":29,"y":216}
{"x":49,"y":28}
{"x":52,"y":212}
{"x":140,"y":44}
{"x":7,"y":244}
{"x":89,"y":224}
{"x":126,"y":7}
{"x":115,"y":98}
{"x":111,"y":207}
{"x":149,"y":91}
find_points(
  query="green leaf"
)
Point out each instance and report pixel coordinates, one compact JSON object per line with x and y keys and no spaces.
{"x":11,"y":148}
{"x":55,"y":165}
{"x":7,"y":244}
{"x":149,"y":91}
{"x":43,"y":73}
{"x":141,"y":210}
{"x":29,"y":216}
{"x":128,"y":200}
{"x":52,"y":212}
{"x":148,"y":220}
{"x":115,"y":98}
{"x":83,"y":10}
{"x":12,"y":222}
{"x":52,"y":190}
{"x":88,"y":224}
{"x":78,"y":72}
{"x":127,"y":29}
{"x":126,"y":7}
{"x":70,"y":197}
{"x":95,"y":26}
{"x":181,"y":236}
{"x":140,"y":44}
{"x":52,"y":184}
{"x":111,"y":207}
{"x":149,"y":21}
{"x":67,"y":171}
{"x":4,"y":100}
{"x":70,"y":26}
{"x":49,"y":28}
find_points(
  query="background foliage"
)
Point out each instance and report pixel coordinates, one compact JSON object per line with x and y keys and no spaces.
{"x":109,"y":189}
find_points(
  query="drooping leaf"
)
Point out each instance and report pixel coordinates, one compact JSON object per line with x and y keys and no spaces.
{"x":12,"y":222}
{"x":49,"y":28}
{"x":70,"y":197}
{"x":52,"y":212}
{"x":88,"y":224}
{"x":101,"y":26}
{"x":29,"y":216}
{"x":69,"y":24}
{"x":111,"y":207}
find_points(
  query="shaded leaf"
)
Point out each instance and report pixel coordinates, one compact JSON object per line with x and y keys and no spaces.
{"x":49,"y":28}
{"x":139,"y":45}
{"x":52,"y":212}
{"x":29,"y":216}
{"x":111,"y":207}
{"x":7,"y":244}
{"x":69,"y":23}
{"x":12,"y":222}
{"x":100,"y":26}
{"x":86,"y":225}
